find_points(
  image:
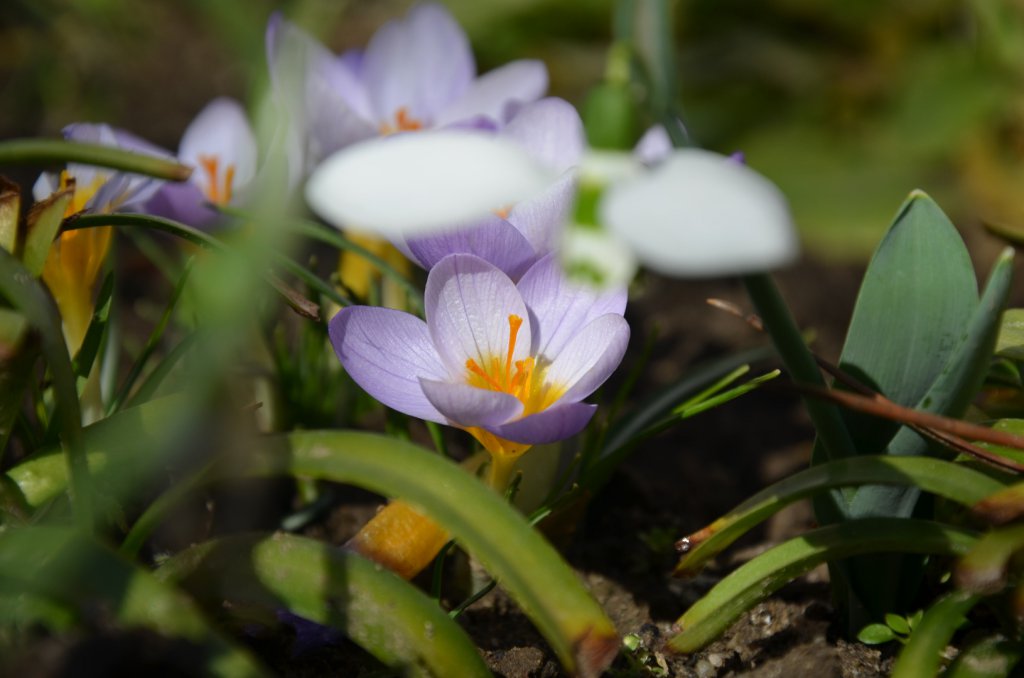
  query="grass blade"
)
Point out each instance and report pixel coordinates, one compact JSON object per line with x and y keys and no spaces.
{"x":381,"y":612}
{"x":765,"y":574}
{"x":51,"y":151}
{"x":922,"y":654}
{"x":946,"y":479}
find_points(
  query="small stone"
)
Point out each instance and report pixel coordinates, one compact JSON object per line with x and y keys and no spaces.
{"x":716,"y":660}
{"x":705,"y":669}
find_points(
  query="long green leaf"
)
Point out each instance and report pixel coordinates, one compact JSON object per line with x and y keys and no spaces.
{"x":946,"y":479}
{"x":762,"y":576}
{"x":381,"y":612}
{"x":922,"y":654}
{"x":26,"y":294}
{"x":49,"y":151}
{"x":500,"y":538}
{"x":66,"y":567}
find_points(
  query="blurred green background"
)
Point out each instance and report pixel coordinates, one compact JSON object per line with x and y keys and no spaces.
{"x":846,"y":105}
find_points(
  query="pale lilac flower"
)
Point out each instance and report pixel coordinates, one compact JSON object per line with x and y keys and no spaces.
{"x":699,"y":213}
{"x":416,"y":73}
{"x":98,"y":189}
{"x":516,"y":236}
{"x":220,"y":146}
{"x":508,"y":362}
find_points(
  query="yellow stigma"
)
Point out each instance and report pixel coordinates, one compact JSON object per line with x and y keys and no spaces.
{"x":523,"y":379}
{"x":217,"y":192}
{"x":403,"y":123}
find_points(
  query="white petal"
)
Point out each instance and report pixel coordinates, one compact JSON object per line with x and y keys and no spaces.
{"x":701,"y":213}
{"x":422,"y":182}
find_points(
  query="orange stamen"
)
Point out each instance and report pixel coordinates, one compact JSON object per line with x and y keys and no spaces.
{"x":514,"y":323}
{"x":218,"y":195}
{"x":403,"y":123}
{"x":479,"y":371}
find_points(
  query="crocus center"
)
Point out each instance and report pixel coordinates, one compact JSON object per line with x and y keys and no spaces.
{"x":523,"y":379}
{"x":403,"y":122}
{"x":218,"y":186}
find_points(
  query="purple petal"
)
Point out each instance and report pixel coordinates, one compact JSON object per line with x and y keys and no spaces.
{"x":421,"y":63}
{"x":559,"y":308}
{"x":654,"y":146}
{"x":182,"y":202}
{"x":117,"y":190}
{"x":553,"y":424}
{"x":551,"y":130}
{"x":589,"y":357}
{"x":541,"y":218}
{"x":220,"y":131}
{"x":468,"y":303}
{"x":327,"y":102}
{"x":494,"y":240}
{"x":387,"y":352}
{"x":520,"y":82}
{"x":45,"y":186}
{"x":466,"y":405}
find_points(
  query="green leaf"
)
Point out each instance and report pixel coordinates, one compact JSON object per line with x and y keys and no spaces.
{"x":49,"y":151}
{"x":42,"y":224}
{"x":922,"y":655}
{"x":1010,"y":343}
{"x":897,"y":623}
{"x":381,"y":612}
{"x":1014,"y":426}
{"x":876,"y":634}
{"x":72,"y":570}
{"x":97,"y":328}
{"x":946,"y":479}
{"x":27,"y":295}
{"x":17,"y":365}
{"x":494,"y":533}
{"x":920,"y":309}
{"x":762,"y":576}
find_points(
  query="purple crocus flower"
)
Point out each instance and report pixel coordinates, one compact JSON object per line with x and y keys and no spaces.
{"x":508,"y":362}
{"x":98,"y":189}
{"x":220,"y":147}
{"x":416,"y":73}
{"x":517,"y":236}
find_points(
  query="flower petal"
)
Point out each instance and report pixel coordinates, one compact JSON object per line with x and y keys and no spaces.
{"x":494,"y":240}
{"x":411,"y":184}
{"x":327,"y":102}
{"x":551,"y":130}
{"x":114,"y":190}
{"x":560,"y":308}
{"x":489,"y":95}
{"x":654,"y":146}
{"x":468,"y":303}
{"x":386,"y":352}
{"x":421,"y":63}
{"x":589,"y":357}
{"x":182,"y":202}
{"x":466,"y":405}
{"x":221,"y":131}
{"x":700,"y":213}
{"x":540,"y":218}
{"x":553,"y":424}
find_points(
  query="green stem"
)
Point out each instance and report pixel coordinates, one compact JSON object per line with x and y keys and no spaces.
{"x":47,"y":151}
{"x":500,"y":472}
{"x":799,"y":362}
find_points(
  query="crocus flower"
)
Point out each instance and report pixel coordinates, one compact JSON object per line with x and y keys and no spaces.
{"x":699,"y":213}
{"x":518,"y":235}
{"x":76,"y":257}
{"x":510,"y":363}
{"x":220,"y":147}
{"x":416,"y":73}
